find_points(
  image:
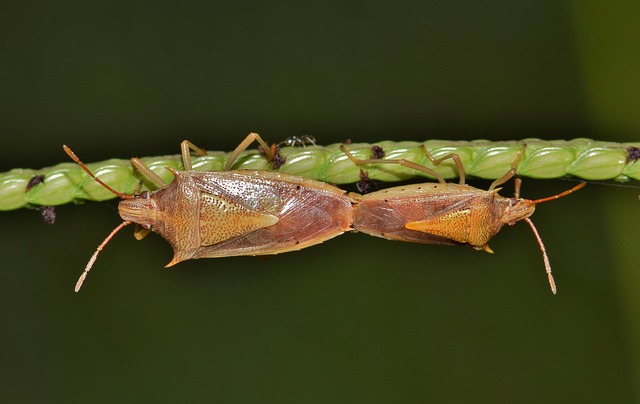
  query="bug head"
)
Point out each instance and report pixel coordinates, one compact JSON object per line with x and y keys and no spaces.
{"x":140,"y":209}
{"x":518,"y":209}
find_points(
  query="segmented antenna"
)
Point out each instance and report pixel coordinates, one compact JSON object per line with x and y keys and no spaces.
{"x":95,"y":254}
{"x":121,"y":195}
{"x":560,"y":195}
{"x":86,"y":169}
{"x":545,"y":257}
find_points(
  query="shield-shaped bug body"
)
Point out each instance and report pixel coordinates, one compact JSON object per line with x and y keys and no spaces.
{"x":231,"y":213}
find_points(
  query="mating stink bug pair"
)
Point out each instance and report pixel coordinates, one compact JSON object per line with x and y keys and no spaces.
{"x":244,"y":212}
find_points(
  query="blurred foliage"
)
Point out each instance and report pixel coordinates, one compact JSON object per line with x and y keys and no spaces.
{"x":609,"y":64}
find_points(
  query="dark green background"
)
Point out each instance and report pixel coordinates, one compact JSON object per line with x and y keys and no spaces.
{"x":356,"y":319}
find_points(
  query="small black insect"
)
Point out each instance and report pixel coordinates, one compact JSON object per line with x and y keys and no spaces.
{"x":278,"y":159}
{"x":35,"y":180}
{"x":377,"y":152}
{"x":48,"y":214}
{"x":298,"y":141}
{"x":365,"y":184}
{"x":633,"y":153}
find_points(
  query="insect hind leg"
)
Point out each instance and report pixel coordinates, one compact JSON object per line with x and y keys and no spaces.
{"x":454,"y":156}
{"x":185,"y":146}
{"x":402,"y":162}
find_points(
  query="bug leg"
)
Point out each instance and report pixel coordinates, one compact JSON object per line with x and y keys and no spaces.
{"x":185,"y":146}
{"x":512,"y":171}
{"x":308,"y":139}
{"x":140,"y":232}
{"x":251,"y":137}
{"x":402,"y":162}
{"x":454,"y":156}
{"x":517,"y":184}
{"x":147,"y":172}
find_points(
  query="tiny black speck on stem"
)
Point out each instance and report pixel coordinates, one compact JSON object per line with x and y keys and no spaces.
{"x":633,"y":154}
{"x":35,"y":180}
{"x":377,"y":152}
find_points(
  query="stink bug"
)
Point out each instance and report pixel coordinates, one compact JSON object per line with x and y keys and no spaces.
{"x":230,"y":213}
{"x":445,"y":213}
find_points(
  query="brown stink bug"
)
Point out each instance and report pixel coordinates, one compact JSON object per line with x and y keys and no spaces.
{"x":230,"y":213}
{"x":445,"y":213}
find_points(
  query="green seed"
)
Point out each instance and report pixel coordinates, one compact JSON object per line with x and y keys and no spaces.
{"x":582,"y":158}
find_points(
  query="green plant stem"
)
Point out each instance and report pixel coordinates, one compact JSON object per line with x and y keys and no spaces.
{"x":580,"y":158}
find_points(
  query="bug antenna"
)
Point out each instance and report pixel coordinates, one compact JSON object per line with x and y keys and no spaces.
{"x":547,"y":265}
{"x":86,"y":169}
{"x":93,"y":258}
{"x":560,"y":195}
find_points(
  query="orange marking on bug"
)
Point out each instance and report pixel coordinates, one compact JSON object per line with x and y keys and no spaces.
{"x":451,"y":225}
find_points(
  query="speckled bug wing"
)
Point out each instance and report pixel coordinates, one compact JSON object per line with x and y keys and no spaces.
{"x":252,"y":213}
{"x":430,"y":213}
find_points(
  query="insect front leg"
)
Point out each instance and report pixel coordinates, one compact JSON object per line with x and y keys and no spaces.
{"x":517,"y":186}
{"x":147,"y":173}
{"x":512,"y":171}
